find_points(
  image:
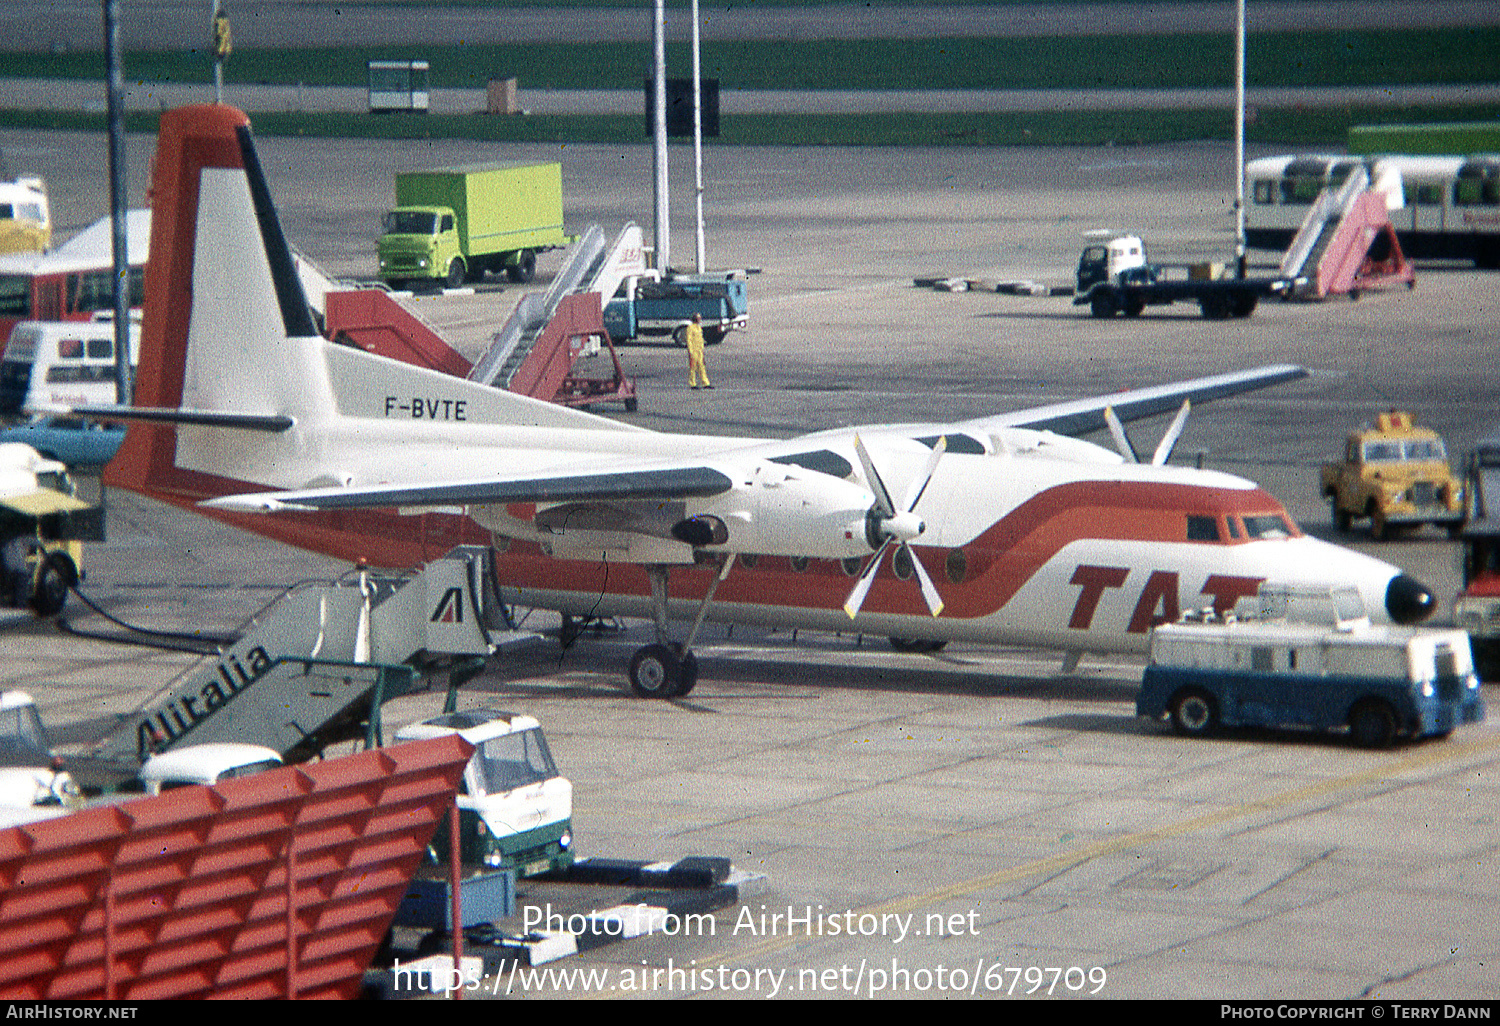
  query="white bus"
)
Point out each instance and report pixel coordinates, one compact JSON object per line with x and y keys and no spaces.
{"x":1451,"y":205}
{"x":60,"y":363}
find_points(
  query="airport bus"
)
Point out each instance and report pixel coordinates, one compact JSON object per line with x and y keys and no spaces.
{"x":60,"y":363}
{"x":1451,"y":206}
{"x":74,"y":281}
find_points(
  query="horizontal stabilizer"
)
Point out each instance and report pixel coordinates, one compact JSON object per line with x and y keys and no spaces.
{"x":207,"y":418}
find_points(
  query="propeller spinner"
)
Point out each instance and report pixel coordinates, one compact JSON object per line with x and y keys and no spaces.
{"x":887,"y":525}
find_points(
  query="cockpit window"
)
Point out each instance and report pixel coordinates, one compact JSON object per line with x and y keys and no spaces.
{"x":1269,"y":526}
{"x":1205,"y":529}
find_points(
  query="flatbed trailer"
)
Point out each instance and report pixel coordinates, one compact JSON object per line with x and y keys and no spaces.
{"x":1114,"y":278}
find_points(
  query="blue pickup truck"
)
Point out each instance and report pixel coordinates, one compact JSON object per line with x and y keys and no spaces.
{"x":1381,"y":683}
{"x":645,"y":306}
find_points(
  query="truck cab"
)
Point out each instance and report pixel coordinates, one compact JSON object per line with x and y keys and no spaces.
{"x":1263,"y":665}
{"x":1118,"y":258}
{"x":31,"y":775}
{"x":515,"y":810}
{"x":421,"y":242}
{"x":1397,"y":475}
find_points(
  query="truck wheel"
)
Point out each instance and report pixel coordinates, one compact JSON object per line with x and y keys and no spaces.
{"x":1242,"y":304}
{"x":1102,"y":304}
{"x":713,"y":336}
{"x":680,"y":336}
{"x":1372,"y":724}
{"x":1194,"y":713}
{"x":1214,"y":307}
{"x":1134,"y":306}
{"x":54,"y":577}
{"x":1343,"y":520}
{"x":524,"y":269}
{"x":456,"y":272}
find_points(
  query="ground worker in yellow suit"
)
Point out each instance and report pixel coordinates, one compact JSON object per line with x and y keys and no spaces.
{"x":696,"y":367}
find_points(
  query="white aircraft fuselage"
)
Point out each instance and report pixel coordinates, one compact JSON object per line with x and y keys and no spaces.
{"x":1028,"y":536}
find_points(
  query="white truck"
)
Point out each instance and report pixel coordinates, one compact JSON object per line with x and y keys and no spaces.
{"x":205,"y":764}
{"x":1290,"y":659}
{"x":31,"y":775}
{"x":1115,"y":277}
{"x":515,"y":810}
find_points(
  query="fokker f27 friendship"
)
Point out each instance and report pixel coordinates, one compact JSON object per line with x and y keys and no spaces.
{"x":1002,"y":529}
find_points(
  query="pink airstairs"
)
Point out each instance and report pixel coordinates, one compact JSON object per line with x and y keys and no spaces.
{"x":1347,"y":244}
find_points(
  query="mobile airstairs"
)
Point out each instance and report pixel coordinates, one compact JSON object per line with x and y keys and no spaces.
{"x":535,"y":351}
{"x":1347,"y":243}
{"x":314,"y":666}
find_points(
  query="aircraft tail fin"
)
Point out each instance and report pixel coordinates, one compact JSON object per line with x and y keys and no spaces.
{"x":233,"y":373}
{"x":222,"y":297}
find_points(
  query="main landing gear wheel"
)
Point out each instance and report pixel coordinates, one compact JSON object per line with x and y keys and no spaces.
{"x":662,"y":671}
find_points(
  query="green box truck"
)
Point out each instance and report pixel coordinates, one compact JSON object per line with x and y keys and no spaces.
{"x":454,"y":224}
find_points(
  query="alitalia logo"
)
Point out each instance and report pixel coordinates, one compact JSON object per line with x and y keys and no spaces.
{"x":450,"y":608}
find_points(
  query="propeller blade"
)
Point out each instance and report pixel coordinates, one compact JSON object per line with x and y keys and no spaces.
{"x":883,"y":504}
{"x":1174,"y":431}
{"x":919,"y":485}
{"x":1122,"y":440}
{"x":929,"y":590}
{"x":856,"y":597}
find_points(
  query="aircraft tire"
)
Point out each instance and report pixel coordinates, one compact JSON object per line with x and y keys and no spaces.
{"x":689,"y":675}
{"x":656,"y":672}
{"x":1194,"y":713}
{"x":1372,"y":724}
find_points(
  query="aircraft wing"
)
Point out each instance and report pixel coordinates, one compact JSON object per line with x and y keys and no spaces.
{"x":656,"y":482}
{"x":1080,"y":416}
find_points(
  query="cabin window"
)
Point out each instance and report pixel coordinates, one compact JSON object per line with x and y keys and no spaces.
{"x":1265,"y":191}
{"x":1476,"y":192}
{"x":956,"y":566}
{"x":1203,"y":529}
{"x":101,"y":348}
{"x":70,"y":349}
{"x":15,"y":295}
{"x":1300,"y":190}
{"x":1425,"y":195}
{"x":901,"y":564}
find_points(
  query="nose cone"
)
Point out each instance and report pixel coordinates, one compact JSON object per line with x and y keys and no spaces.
{"x":1407,"y":600}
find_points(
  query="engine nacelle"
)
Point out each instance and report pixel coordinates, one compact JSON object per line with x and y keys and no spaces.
{"x":781,"y":510}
